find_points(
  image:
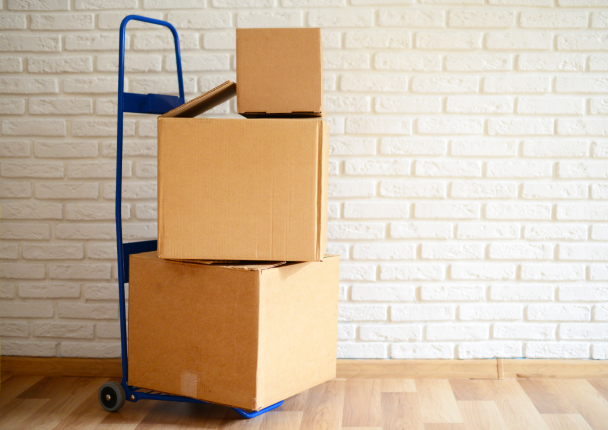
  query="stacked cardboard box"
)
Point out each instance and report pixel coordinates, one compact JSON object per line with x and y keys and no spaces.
{"x":238,"y":305}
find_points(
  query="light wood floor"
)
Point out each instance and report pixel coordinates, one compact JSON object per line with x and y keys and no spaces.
{"x":28,"y":402}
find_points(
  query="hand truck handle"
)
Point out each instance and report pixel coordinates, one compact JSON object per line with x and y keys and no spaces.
{"x":133,"y":105}
{"x":138,"y":103}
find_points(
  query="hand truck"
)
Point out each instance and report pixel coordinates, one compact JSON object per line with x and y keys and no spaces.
{"x":112,"y":395}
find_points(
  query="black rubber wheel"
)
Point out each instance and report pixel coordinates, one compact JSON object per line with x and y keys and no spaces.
{"x":112,"y":396}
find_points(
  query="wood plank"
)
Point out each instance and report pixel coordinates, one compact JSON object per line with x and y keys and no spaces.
{"x":59,"y":410}
{"x":546,"y":396}
{"x":362,"y":403}
{"x":130,"y":415}
{"x":174,"y":415}
{"x":201,"y":416}
{"x":88,"y":416}
{"x":396,"y":369}
{"x":162,"y":415}
{"x":437,"y":402}
{"x":601,"y":385}
{"x":65,"y":399}
{"x":444,"y":426}
{"x":60,"y":366}
{"x":402,"y":369}
{"x":587,"y":401}
{"x":397,"y":386}
{"x":277,"y":420}
{"x":401,"y":411}
{"x":324,"y":407}
{"x":561,"y":369}
{"x":14,"y":386}
{"x":481,"y":415}
{"x":295,"y":403}
{"x":20,"y":410}
{"x":46,"y":388}
{"x":566,"y":422}
{"x":516,"y":409}
{"x":9,"y":407}
{"x":500,"y":368}
{"x":472,"y":390}
{"x":71,"y":403}
{"x":233,"y":421}
{"x":177,"y":415}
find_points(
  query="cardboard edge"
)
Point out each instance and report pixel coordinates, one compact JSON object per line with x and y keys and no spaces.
{"x":318,"y":252}
{"x":238,"y":69}
{"x":242,"y":268}
{"x":232,"y":265}
{"x":160,"y":230}
{"x":216,"y":96}
{"x":323,"y":149}
{"x":283,"y":115}
{"x":258,"y":283}
{"x":321,"y":107}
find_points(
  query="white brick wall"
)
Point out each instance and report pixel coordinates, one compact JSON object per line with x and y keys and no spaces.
{"x":469,"y":155}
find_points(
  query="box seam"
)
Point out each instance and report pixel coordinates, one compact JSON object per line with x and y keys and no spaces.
{"x":319,"y":189}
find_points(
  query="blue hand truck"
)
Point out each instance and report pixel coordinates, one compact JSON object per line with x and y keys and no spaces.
{"x":112,"y":395}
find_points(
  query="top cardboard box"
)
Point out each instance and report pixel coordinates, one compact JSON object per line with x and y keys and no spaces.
{"x":279,"y":71}
{"x":241,"y":189}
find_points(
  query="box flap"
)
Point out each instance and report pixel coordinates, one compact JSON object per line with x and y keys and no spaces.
{"x":204,"y":102}
{"x":227,"y":264}
{"x":237,"y":265}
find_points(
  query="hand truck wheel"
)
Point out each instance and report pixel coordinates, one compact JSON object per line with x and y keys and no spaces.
{"x":112,"y":396}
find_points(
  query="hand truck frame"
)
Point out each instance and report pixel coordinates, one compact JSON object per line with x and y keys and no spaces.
{"x":112,"y":395}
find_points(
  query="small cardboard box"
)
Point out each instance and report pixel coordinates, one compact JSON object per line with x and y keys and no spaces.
{"x":241,"y":189}
{"x":246,"y":335}
{"x":279,"y":71}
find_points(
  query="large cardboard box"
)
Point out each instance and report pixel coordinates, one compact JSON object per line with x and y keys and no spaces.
{"x":241,"y":189}
{"x":244,"y":335}
{"x":279,"y":71}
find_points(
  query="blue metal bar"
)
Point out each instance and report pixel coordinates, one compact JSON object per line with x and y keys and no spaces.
{"x":119,"y":148}
{"x":135,"y":248}
{"x":254,"y":414}
{"x":169,"y":398}
{"x":165,"y":397}
{"x":150,"y":103}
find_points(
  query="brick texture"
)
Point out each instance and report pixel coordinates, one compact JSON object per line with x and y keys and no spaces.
{"x":469,"y":167}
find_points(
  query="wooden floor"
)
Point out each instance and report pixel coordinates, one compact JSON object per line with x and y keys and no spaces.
{"x":35,"y":402}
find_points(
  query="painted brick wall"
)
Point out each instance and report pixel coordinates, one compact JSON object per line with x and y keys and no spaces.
{"x":469,"y":166}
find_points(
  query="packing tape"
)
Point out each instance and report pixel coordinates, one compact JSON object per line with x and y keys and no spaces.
{"x":189,"y":384}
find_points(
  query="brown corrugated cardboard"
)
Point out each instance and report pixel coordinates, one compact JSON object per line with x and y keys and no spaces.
{"x":239,"y":336}
{"x":279,"y":71}
{"x":241,"y":189}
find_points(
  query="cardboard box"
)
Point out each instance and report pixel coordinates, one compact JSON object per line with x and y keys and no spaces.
{"x":279,"y":71}
{"x":241,"y":189}
{"x":245,"y":336}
